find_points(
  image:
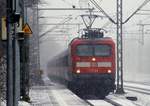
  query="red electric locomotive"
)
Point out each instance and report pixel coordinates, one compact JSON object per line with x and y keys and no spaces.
{"x":87,"y":65}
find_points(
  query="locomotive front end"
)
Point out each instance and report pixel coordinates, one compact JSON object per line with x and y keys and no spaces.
{"x":93,"y":64}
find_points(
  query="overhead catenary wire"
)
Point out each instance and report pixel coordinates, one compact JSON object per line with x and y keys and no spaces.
{"x":62,"y":22}
{"x":139,"y":8}
{"x":107,"y":23}
{"x":101,"y":10}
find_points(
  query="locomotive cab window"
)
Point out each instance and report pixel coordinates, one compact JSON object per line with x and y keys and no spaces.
{"x":102,"y":50}
{"x":84,"y":50}
{"x":93,"y":50}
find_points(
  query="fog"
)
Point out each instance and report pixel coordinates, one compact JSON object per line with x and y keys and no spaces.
{"x":136,"y":61}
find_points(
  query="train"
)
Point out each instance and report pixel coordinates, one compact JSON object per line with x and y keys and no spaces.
{"x":88,"y":65}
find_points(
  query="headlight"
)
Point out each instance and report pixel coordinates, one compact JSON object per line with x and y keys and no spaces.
{"x":93,"y":59}
{"x":109,"y":71}
{"x":78,"y":71}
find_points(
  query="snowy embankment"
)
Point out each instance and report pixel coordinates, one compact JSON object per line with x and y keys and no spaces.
{"x":21,"y":103}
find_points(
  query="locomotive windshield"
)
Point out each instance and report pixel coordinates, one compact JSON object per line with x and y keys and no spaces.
{"x":84,"y":50}
{"x":93,"y":50}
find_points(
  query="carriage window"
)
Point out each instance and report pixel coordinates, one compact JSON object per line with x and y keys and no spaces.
{"x":93,"y":50}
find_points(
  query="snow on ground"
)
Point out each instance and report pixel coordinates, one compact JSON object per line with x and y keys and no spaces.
{"x":21,"y":103}
{"x":142,"y":99}
{"x":3,"y":103}
{"x":54,"y":96}
{"x":99,"y":103}
{"x":58,"y":95}
{"x":40,"y":97}
{"x":121,"y":99}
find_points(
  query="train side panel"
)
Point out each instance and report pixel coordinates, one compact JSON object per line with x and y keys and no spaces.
{"x":58,"y":68}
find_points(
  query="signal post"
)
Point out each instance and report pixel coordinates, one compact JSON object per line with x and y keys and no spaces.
{"x":13,"y":52}
{"x":24,"y":48}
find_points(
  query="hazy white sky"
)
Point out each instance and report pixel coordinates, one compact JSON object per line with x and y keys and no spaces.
{"x":108,"y":5}
{"x":129,"y":6}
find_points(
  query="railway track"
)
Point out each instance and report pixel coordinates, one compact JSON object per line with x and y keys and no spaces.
{"x":111,"y":100}
{"x":136,"y":87}
{"x":117,"y":100}
{"x":45,"y":96}
{"x":139,"y":90}
{"x":106,"y":102}
{"x":56,"y":95}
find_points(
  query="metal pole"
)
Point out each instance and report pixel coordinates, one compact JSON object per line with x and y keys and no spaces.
{"x":9,"y":55}
{"x":16,"y":58}
{"x":16,"y":68}
{"x":26,"y":69}
{"x":38,"y":37}
{"x":119,"y":89}
{"x":24,"y":47}
{"x":13,"y":80}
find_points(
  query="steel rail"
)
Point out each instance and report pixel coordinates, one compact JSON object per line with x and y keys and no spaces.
{"x":136,"y":89}
{"x":112,"y":102}
{"x":88,"y":103}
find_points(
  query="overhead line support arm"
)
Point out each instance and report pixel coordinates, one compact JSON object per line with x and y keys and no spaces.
{"x":64,"y":8}
{"x":143,"y":4}
{"x":94,"y":2}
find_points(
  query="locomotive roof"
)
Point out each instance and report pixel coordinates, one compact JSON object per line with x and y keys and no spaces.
{"x":104,"y":39}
